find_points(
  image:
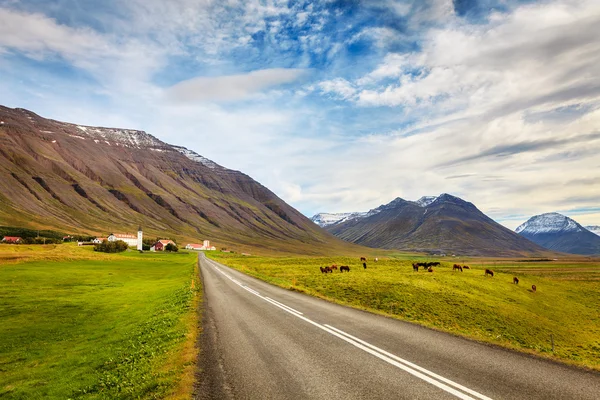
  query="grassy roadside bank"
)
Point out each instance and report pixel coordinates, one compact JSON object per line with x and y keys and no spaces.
{"x":78,"y":324}
{"x":492,"y":310}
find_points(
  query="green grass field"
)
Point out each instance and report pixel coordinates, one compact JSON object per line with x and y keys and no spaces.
{"x":566,"y":304}
{"x":79,"y":324}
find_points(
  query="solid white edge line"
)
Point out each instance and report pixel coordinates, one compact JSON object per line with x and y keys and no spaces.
{"x":412,"y":365}
{"x":365,"y":347}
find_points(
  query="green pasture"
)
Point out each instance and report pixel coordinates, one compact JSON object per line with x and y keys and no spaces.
{"x":566,"y":305}
{"x":79,"y":324}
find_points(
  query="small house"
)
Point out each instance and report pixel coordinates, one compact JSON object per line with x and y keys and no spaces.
{"x":12,"y":239}
{"x":99,"y":240}
{"x":161,"y":245}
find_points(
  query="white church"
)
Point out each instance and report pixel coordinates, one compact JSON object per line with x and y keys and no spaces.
{"x":131,"y":240}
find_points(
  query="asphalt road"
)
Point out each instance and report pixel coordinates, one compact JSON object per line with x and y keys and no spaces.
{"x":263,"y":342}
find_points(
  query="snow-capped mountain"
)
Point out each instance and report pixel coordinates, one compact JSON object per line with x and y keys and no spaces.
{"x":558,"y":232}
{"x":442,"y":224}
{"x":549,"y":223}
{"x":426,"y":200}
{"x":325,"y":219}
{"x":594,"y":229}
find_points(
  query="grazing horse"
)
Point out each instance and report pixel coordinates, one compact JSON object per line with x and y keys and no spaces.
{"x":457,"y":267}
{"x":489,"y":272}
{"x":466,"y":267}
{"x":334,"y":266}
{"x":363,"y":259}
{"x":416,"y":267}
{"x":365,"y":265}
{"x":533,"y":288}
{"x":323,"y":270}
{"x":515,"y":280}
{"x":429,"y":269}
{"x":344,"y":268}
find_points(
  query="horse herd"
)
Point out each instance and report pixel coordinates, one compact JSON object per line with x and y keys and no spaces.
{"x":334,"y":267}
{"x":426,"y":265}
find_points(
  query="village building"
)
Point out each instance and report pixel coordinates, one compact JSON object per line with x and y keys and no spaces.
{"x":131,"y":240}
{"x":161,"y":245}
{"x":99,"y":240}
{"x":204,"y":246}
{"x":12,"y":239}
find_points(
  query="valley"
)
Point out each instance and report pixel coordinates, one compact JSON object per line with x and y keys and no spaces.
{"x":468,"y":304}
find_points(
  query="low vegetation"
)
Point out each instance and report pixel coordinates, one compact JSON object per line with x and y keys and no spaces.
{"x":118,"y":246}
{"x":81,"y":324}
{"x":563,"y":309}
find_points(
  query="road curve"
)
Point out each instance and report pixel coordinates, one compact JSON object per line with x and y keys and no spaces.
{"x":264,"y":342}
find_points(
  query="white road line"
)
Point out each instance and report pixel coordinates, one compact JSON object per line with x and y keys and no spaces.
{"x":413,"y":369}
{"x":412,"y":365}
{"x":283,"y":305}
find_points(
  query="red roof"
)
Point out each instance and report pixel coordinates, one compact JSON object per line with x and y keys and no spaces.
{"x":11,"y":239}
{"x":166,"y":242}
{"x":124,"y":235}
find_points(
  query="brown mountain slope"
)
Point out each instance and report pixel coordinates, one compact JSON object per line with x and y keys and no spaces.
{"x":99,"y":180}
{"x":447,"y":225}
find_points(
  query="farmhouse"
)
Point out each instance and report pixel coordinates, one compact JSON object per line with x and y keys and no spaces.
{"x":99,"y":240}
{"x":161,"y":245}
{"x":12,"y":239}
{"x":204,"y":246}
{"x":130,"y":239}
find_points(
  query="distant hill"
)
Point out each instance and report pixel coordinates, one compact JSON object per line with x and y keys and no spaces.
{"x":82,"y":179}
{"x":558,"y":232}
{"x":594,"y":229}
{"x":442,"y":224}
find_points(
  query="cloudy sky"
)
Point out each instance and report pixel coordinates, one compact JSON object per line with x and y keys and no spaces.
{"x":335,"y":105}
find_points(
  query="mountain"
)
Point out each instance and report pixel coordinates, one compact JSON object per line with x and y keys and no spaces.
{"x":442,"y":224}
{"x":92,"y":180}
{"x":324,"y":219}
{"x":594,"y":229}
{"x":557,"y":232}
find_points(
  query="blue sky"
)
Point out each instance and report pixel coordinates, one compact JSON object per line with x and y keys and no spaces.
{"x":335,"y":105}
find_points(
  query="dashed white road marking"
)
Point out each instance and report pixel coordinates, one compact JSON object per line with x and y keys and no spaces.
{"x":439,"y":381}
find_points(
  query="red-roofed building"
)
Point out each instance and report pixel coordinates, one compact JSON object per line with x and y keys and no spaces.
{"x":12,"y":239}
{"x":161,"y":245}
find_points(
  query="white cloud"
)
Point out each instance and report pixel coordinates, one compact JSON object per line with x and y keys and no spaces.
{"x":232,"y":87}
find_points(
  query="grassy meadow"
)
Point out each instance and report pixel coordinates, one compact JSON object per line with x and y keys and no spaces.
{"x":84,"y":325}
{"x":566,"y":304}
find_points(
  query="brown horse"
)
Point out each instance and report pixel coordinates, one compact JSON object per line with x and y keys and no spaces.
{"x":365,"y":265}
{"x":344,"y":268}
{"x":416,"y":267}
{"x":489,"y":272}
{"x":363,"y":259}
{"x":457,"y":267}
{"x":334,"y":267}
{"x":323,"y":270}
{"x":515,"y":280}
{"x":533,"y":288}
{"x":430,"y":269}
{"x":466,"y":267}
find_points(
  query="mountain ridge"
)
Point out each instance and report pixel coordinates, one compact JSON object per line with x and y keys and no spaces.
{"x":442,"y":224}
{"x":95,"y":180}
{"x":558,"y":232}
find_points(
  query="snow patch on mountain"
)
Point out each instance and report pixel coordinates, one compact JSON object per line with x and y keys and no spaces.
{"x":325,"y":219}
{"x":548,"y":223}
{"x":594,"y":229}
{"x":426,"y":200}
{"x":192,"y":155}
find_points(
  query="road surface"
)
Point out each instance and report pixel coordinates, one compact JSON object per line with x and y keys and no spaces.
{"x":264,"y":342}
